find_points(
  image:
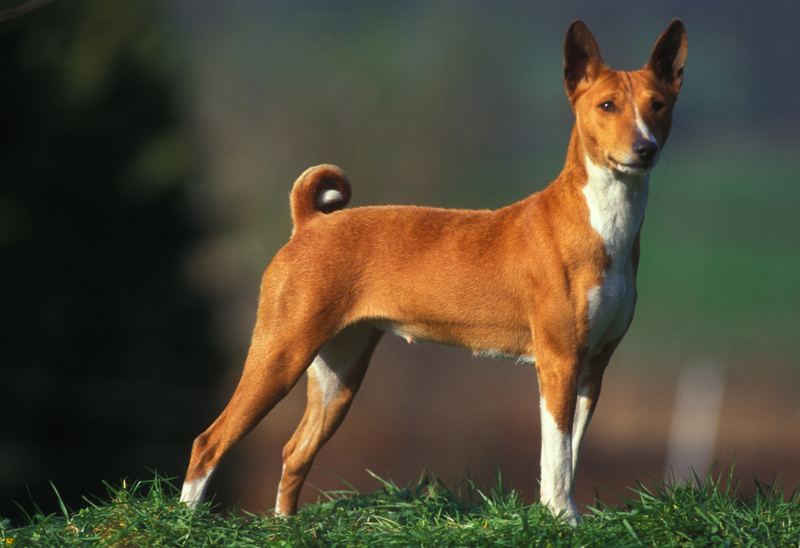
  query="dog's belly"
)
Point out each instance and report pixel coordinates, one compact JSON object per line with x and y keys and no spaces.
{"x":507,"y":342}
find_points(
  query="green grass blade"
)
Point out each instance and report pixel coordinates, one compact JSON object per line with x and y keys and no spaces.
{"x":713,"y":512}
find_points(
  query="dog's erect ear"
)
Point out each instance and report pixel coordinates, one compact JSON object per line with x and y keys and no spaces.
{"x":582,"y":61}
{"x":669,"y":56}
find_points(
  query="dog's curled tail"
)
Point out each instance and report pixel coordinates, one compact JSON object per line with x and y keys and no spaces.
{"x":321,"y":189}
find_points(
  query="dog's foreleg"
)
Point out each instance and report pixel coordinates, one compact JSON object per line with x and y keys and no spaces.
{"x":558,"y":398}
{"x":194,"y":491}
{"x":584,"y":409}
{"x":589,"y":386}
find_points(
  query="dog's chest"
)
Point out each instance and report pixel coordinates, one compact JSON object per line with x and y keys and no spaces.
{"x":616,"y":211}
{"x":610,"y":307}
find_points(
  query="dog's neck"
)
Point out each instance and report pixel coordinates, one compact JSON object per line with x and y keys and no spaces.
{"x":616,"y":200}
{"x":616,"y":206}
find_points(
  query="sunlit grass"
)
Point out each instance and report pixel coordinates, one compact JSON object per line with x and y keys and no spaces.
{"x":714,"y":512}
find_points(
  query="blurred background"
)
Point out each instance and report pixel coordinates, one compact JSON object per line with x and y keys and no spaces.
{"x":148,"y":149}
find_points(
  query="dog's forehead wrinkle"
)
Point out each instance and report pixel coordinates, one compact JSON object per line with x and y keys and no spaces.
{"x":623,"y":87}
{"x":630,"y":85}
{"x":631,"y":88}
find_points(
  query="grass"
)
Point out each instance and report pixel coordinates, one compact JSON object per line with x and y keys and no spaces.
{"x":714,"y":512}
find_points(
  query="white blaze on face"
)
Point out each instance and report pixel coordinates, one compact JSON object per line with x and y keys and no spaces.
{"x":645,"y":133}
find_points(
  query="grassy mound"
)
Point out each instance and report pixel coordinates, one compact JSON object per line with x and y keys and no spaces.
{"x":714,"y":512}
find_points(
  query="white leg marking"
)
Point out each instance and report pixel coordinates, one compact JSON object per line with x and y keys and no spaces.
{"x":327,"y":378}
{"x":557,"y":485}
{"x":194,"y":492}
{"x":580,"y":424}
{"x":337,"y":357}
{"x":278,"y":509}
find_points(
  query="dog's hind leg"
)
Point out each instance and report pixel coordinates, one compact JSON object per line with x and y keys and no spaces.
{"x":274,"y":365}
{"x":333,"y":380}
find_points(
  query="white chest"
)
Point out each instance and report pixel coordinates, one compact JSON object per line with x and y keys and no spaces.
{"x":611,"y":306}
{"x":616,"y":211}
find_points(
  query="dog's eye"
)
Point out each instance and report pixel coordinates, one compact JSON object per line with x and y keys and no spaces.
{"x":608,"y":106}
{"x":657,"y":106}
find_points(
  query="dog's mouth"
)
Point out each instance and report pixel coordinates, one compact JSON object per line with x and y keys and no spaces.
{"x":632,"y":168}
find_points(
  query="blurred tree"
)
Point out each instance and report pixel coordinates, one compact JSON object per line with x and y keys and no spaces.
{"x":100,"y":329}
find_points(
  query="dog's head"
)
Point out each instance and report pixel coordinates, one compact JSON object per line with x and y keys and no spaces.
{"x":624,"y":118}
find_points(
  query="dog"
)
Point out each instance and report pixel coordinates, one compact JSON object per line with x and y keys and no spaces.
{"x":549,"y":280}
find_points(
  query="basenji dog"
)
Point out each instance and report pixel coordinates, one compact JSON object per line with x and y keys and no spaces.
{"x":550,"y":280}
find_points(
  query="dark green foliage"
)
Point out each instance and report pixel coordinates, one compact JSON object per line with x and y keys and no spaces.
{"x":100,"y":325}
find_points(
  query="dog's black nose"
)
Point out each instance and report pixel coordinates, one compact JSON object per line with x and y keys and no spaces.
{"x":645,"y":149}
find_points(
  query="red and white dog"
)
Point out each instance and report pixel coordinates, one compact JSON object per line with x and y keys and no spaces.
{"x":550,"y":280}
